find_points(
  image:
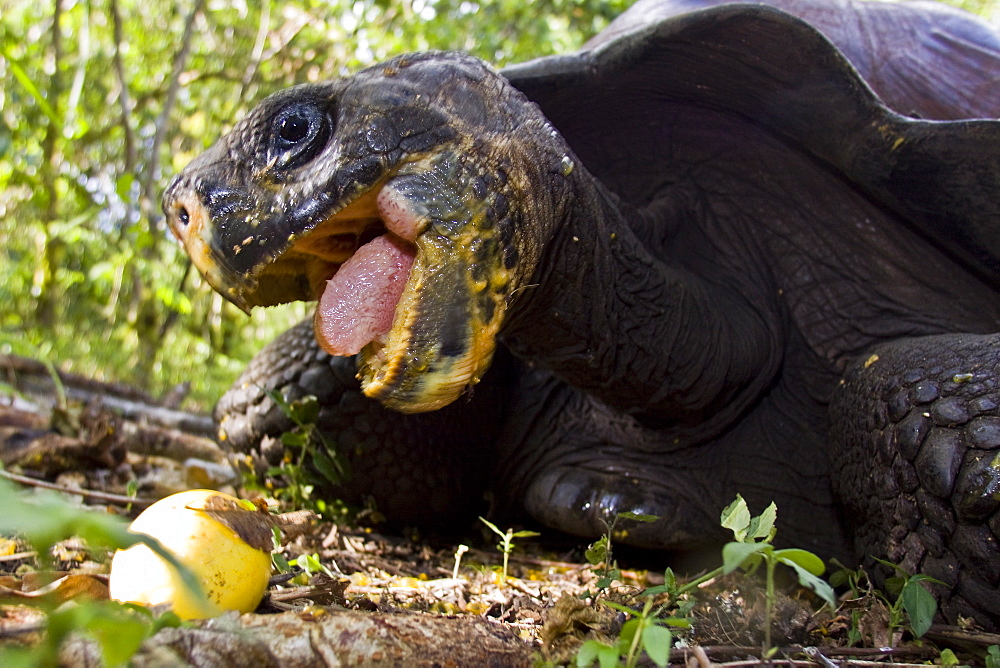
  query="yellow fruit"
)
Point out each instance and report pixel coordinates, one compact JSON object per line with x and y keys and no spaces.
{"x":233,"y":574}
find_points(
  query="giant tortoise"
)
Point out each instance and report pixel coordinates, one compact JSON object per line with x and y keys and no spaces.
{"x":698,"y":257}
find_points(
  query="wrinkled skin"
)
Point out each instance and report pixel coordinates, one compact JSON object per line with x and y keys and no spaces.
{"x":729,"y":268}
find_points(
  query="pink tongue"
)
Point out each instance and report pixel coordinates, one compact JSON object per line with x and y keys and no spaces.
{"x":360,"y":300}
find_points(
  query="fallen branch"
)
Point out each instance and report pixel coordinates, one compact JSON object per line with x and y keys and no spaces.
{"x":86,"y":493}
{"x":326,"y":638}
{"x":35,"y":378}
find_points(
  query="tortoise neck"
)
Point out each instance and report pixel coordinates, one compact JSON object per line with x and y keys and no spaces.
{"x":606,"y":315}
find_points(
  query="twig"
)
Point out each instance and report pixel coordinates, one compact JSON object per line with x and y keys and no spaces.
{"x":854,"y":654}
{"x":18,"y":556}
{"x":87,"y":493}
{"x":124,"y":98}
{"x":258,"y":50}
{"x":955,"y":634}
{"x":701,"y":657}
{"x":180,"y":62}
{"x":10,"y":631}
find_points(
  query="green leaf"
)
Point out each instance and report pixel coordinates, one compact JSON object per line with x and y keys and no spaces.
{"x":304,"y":411}
{"x":669,"y":579}
{"x":587,"y":653}
{"x":762,"y":526}
{"x":899,"y":570}
{"x":854,"y":636}
{"x":296,"y":439}
{"x":638,"y":517}
{"x":627,"y":634}
{"x":993,"y":656}
{"x":656,"y":591}
{"x":841,"y":577}
{"x":19,"y":657}
{"x":118,"y":632}
{"x":734,"y":555}
{"x":817,"y":584}
{"x":280,"y":401}
{"x":895,"y":584}
{"x":493,"y":527}
{"x":920,"y":607}
{"x":619,"y":607}
{"x":280,"y":562}
{"x":598,"y":551}
{"x":677,"y":622}
{"x":327,"y":466}
{"x":607,"y":656}
{"x":165,"y":620}
{"x":656,"y":640}
{"x":736,"y":518}
{"x":920,"y":577}
{"x":803,"y":558}
{"x":948,"y":658}
{"x":525,"y":534}
{"x":25,"y":80}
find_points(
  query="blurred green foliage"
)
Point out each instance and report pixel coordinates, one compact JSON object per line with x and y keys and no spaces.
{"x":103,"y":100}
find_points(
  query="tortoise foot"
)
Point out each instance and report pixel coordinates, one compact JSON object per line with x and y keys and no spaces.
{"x":427,"y":470}
{"x":585,"y":503}
{"x":921,"y":475}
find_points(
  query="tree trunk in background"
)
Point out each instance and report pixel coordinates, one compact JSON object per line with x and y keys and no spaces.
{"x":50,"y":246}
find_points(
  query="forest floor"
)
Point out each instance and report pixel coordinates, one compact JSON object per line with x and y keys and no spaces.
{"x":355,"y":596}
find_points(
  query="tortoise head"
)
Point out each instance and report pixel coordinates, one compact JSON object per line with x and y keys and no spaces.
{"x":411,"y":199}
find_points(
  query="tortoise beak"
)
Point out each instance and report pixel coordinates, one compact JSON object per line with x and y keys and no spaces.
{"x":239,"y":245}
{"x":190,"y":222}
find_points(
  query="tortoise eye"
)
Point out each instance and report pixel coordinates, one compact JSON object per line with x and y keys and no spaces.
{"x":293,"y":128}
{"x":298,"y":133}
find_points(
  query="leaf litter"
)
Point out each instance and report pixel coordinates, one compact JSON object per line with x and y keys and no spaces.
{"x":547,"y":602}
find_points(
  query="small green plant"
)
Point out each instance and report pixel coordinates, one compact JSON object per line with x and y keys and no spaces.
{"x":857,"y":582}
{"x":993,"y":656}
{"x":909,"y":605}
{"x":677,"y":601}
{"x":311,"y":564}
{"x":506,"y":544}
{"x":600,"y":555}
{"x":948,"y":658}
{"x":913,"y":602}
{"x":649,"y":629}
{"x":753,"y":547}
{"x":644,"y":632}
{"x":308,"y":442}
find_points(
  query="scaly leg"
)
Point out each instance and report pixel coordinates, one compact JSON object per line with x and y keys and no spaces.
{"x":916,"y":457}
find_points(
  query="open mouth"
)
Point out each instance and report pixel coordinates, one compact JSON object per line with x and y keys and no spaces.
{"x":412,"y":275}
{"x":358,"y":263}
{"x":416,"y":291}
{"x":365,"y":269}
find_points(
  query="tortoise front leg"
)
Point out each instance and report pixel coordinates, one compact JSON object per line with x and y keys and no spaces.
{"x":916,"y":456}
{"x":427,"y":469}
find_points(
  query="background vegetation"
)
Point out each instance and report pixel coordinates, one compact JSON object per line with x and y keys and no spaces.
{"x":103,"y":100}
